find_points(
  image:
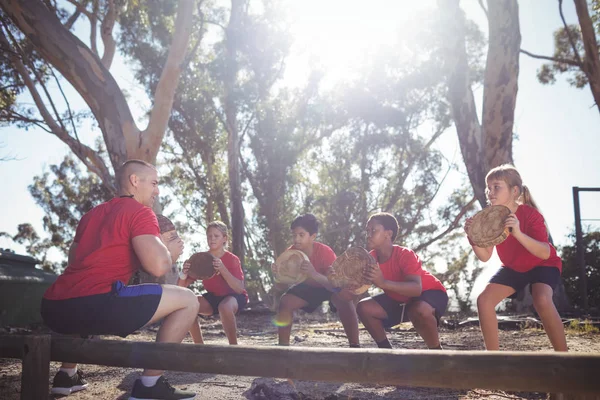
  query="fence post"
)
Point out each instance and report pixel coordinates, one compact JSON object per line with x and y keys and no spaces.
{"x":36,"y":367}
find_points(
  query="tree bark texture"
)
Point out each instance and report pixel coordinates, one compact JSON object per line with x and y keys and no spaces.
{"x":233,"y":140}
{"x":460,"y":96}
{"x":88,"y":75}
{"x":591,"y":62}
{"x":500,"y":82}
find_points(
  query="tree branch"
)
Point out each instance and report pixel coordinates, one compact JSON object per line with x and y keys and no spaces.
{"x":571,"y":40}
{"x":66,"y":102}
{"x":88,"y":156}
{"x":93,"y":27}
{"x":81,"y":8}
{"x":165,"y":90}
{"x":450,"y":227}
{"x":106,"y":29}
{"x":553,"y":59}
{"x":21,"y":55}
{"x":483,"y":8}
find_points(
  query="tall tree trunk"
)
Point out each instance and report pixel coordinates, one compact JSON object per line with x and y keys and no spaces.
{"x":490,"y":144}
{"x":591,"y":62}
{"x":500,"y":82}
{"x":460,"y":95}
{"x":233,"y":145}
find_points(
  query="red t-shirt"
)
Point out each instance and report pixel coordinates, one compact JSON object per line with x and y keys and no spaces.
{"x":405,"y":262}
{"x":322,"y":257}
{"x":516,"y":257}
{"x":104,"y":252}
{"x":217,"y":285}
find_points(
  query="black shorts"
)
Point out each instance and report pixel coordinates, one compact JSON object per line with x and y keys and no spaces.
{"x":121,"y":312}
{"x":214,"y":301}
{"x":397,"y":313}
{"x":518,"y":280}
{"x":314,"y":296}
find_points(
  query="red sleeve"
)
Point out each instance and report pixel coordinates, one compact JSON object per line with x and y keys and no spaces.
{"x":536,"y":228}
{"x":81,"y":227}
{"x":235,"y":266}
{"x":144,"y":222}
{"x":328,"y":256}
{"x":410,"y":263}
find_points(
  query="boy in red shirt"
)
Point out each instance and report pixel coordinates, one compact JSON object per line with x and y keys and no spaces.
{"x":309,"y":294}
{"x":410,"y":293}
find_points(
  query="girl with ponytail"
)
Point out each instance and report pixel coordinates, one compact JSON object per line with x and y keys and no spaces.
{"x":527,"y":258}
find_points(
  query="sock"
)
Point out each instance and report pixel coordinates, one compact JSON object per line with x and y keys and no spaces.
{"x":69,"y":371}
{"x":149,"y":381}
{"x":384,"y":344}
{"x":354,"y":346}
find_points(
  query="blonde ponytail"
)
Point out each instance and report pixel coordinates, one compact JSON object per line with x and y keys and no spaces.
{"x":527,"y":199}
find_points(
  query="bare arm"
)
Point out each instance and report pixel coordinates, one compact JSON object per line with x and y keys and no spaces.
{"x":535,"y":247}
{"x":483,"y":253}
{"x":411,"y":287}
{"x":316,"y":276}
{"x":236,"y":284}
{"x":153,"y":254}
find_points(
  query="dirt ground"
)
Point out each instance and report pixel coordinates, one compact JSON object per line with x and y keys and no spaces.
{"x":311,"y":330}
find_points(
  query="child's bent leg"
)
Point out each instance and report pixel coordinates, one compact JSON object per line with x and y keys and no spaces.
{"x":347,"y":313}
{"x":422,"y":316}
{"x":287,"y":305}
{"x":372,"y":315}
{"x":544,"y":305}
{"x":227,"y":309}
{"x":487,"y":301}
{"x":196,"y":330}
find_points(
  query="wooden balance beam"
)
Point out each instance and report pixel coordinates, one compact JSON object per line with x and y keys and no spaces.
{"x":512,"y":371}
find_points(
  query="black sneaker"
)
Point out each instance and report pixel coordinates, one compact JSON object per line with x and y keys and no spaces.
{"x":161,"y":391}
{"x":65,"y":385}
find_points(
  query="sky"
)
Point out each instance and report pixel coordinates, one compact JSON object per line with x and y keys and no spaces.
{"x":558,"y":126}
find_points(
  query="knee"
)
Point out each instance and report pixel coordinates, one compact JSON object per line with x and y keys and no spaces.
{"x":191,"y":301}
{"x":542,"y":302}
{"x":420,"y":312}
{"x":226,"y":308}
{"x":485,"y":302}
{"x":285,"y":304}
{"x":362,"y":309}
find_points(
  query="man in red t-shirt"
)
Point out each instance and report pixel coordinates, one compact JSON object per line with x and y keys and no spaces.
{"x":91,"y":297}
{"x":410,"y":293}
{"x":309,"y":294}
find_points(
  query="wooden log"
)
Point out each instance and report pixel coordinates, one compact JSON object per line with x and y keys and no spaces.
{"x":36,"y":367}
{"x":11,"y":346}
{"x":513,"y":371}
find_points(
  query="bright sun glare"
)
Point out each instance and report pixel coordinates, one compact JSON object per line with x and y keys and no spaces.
{"x":337,"y":35}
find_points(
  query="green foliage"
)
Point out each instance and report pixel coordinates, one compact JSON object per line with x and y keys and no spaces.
{"x":585,"y":326}
{"x":571,"y":272}
{"x":564,"y":50}
{"x":364,"y":146}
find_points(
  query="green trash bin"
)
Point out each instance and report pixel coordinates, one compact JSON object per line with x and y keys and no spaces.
{"x":21,"y":289}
